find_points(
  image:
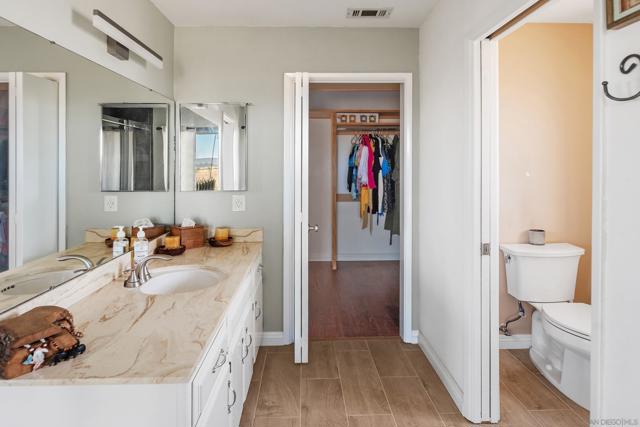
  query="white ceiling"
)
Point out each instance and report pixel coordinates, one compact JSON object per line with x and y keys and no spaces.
{"x":564,"y":11}
{"x":291,"y":13}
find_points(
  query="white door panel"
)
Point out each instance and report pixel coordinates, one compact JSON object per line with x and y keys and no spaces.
{"x":301,"y":201}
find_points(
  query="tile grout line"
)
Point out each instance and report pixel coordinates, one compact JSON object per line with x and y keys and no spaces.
{"x":555,"y":392}
{"x":393,"y":415}
{"x":535,"y":420}
{"x":544,"y":385}
{"x":429,"y":396}
{"x":344,"y":402}
{"x":264,"y":365}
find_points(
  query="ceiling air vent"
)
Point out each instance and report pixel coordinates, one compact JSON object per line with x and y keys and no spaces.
{"x":369,"y":13}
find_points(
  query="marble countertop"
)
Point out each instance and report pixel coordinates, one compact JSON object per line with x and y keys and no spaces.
{"x":92,"y":250}
{"x":136,"y":338}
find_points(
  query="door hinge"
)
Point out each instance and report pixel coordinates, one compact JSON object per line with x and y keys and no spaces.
{"x":486,"y":249}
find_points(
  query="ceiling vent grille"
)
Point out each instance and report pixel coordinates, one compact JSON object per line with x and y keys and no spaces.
{"x":369,"y":13}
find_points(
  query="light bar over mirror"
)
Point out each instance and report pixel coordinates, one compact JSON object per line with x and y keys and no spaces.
{"x":122,"y":41}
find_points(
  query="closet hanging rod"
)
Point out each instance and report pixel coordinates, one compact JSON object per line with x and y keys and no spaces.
{"x":368,"y":128}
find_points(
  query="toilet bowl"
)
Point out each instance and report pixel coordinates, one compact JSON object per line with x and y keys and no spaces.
{"x":561,"y":347}
{"x":545,"y":277}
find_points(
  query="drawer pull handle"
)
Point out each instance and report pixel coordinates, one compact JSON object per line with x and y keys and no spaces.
{"x":244,"y":356}
{"x":250,"y":341}
{"x":222,"y":359}
{"x":230,"y":405}
{"x":259,"y":313}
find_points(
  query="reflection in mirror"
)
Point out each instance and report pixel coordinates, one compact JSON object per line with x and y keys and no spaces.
{"x":213,"y":147}
{"x":51,"y":107}
{"x":134,"y":147}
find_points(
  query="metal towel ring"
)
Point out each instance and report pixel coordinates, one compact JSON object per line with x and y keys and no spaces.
{"x":624,"y":69}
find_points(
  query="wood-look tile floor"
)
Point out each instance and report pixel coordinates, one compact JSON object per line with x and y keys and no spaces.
{"x":359,"y":299}
{"x":382,"y":382}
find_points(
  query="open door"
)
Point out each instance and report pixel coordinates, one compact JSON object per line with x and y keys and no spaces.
{"x":490,"y":368}
{"x":301,"y":203}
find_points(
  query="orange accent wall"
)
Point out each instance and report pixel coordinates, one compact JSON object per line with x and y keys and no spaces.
{"x":546,"y":75}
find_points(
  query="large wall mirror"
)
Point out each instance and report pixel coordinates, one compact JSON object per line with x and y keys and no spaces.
{"x":53,"y":105}
{"x":213,"y":147}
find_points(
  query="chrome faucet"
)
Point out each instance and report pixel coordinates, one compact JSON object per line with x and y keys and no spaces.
{"x":88,"y":264}
{"x":140,"y":274}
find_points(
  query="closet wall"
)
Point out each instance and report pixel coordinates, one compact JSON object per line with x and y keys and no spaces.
{"x":354,"y":243}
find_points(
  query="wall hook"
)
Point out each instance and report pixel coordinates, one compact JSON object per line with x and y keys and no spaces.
{"x":625,"y":68}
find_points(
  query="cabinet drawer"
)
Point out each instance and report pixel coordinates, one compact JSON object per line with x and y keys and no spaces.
{"x":214,"y":365}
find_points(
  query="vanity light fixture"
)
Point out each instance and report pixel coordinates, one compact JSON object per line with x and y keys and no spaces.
{"x":120,"y":41}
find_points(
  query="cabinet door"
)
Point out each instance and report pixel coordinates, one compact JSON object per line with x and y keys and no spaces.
{"x":248,"y":350}
{"x":236,"y":392}
{"x":216,"y":412}
{"x":258,"y":313}
{"x":213,"y":366}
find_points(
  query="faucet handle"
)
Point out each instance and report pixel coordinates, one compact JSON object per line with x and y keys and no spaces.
{"x":143,"y":272}
{"x":88,"y":264}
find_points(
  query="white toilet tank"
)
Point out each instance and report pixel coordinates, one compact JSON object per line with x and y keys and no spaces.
{"x":544,"y":273}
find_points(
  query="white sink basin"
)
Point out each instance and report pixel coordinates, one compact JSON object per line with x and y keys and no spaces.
{"x":39,"y":282}
{"x":176,"y":280}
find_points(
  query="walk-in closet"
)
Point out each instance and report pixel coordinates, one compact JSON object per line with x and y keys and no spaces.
{"x":354,"y":207}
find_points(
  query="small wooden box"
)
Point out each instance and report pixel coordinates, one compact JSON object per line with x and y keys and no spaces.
{"x":190,"y":237}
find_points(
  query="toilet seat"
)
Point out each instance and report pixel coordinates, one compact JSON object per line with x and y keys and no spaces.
{"x":572,"y":318}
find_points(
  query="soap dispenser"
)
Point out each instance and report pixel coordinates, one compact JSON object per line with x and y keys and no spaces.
{"x":140,"y":247}
{"x":121,"y":243}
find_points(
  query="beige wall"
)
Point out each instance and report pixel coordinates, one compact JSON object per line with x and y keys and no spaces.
{"x":545,"y":143}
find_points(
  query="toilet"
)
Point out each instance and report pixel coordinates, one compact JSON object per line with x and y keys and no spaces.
{"x":545,"y":277}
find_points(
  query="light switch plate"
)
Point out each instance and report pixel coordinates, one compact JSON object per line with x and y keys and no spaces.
{"x":238,"y":203}
{"x":111,"y":203}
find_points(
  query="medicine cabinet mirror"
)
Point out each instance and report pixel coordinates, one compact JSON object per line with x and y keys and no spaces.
{"x":135,"y":147}
{"x":213,"y":147}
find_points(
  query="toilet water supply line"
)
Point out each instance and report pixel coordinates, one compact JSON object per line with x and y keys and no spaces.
{"x":504,"y":328}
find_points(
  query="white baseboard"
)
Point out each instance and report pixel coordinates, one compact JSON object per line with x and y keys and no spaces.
{"x":414,"y":337}
{"x":522,"y":341}
{"x":270,"y":339}
{"x":445,"y":376}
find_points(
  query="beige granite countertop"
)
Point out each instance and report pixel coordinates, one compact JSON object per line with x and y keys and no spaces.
{"x":136,"y":338}
{"x":94,"y":251}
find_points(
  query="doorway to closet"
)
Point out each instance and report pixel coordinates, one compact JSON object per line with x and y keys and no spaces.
{"x":298,"y":162}
{"x":354,"y":210}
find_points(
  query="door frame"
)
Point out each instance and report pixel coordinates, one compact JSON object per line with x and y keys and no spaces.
{"x":16,"y":122}
{"x":406,"y":238}
{"x":485,"y":113}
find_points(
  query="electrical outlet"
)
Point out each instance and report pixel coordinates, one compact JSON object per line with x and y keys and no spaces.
{"x":238,"y":203}
{"x":111,"y":203}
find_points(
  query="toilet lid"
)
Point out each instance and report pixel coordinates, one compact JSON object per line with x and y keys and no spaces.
{"x":574,"y":318}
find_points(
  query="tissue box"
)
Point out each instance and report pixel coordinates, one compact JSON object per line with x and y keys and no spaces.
{"x":190,"y":237}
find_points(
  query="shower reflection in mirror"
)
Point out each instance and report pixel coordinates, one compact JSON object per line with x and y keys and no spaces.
{"x":213,"y":147}
{"x":135,"y":147}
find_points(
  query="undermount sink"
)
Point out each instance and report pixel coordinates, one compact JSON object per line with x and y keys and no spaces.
{"x":176,"y":280}
{"x":39,"y":282}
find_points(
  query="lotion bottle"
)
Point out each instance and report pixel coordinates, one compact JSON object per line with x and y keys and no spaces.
{"x":140,"y":247}
{"x":121,"y":243}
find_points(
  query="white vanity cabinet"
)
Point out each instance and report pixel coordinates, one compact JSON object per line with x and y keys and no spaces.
{"x":218,"y":394}
{"x":213,"y":396}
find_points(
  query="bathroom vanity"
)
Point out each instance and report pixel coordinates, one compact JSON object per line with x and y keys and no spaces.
{"x":164,"y":356}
